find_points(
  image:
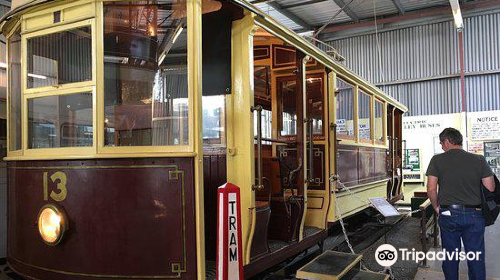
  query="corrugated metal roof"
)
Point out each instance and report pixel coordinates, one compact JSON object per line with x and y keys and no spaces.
{"x":319,"y":12}
{"x":311,"y":14}
{"x":278,"y":16}
{"x":367,"y":8}
{"x":411,"y":5}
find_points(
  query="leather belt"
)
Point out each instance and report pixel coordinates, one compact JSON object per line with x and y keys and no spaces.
{"x":460,"y":207}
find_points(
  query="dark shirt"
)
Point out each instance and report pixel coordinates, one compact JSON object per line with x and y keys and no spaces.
{"x":459,"y":176}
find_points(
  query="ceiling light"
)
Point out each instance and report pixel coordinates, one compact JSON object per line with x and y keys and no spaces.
{"x":457,"y":14}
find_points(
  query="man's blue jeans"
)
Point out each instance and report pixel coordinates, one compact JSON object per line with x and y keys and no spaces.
{"x":466,"y":225}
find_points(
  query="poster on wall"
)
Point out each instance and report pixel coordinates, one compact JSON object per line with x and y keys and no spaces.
{"x":484,"y":125}
{"x":475,"y":147}
{"x":412,"y":159}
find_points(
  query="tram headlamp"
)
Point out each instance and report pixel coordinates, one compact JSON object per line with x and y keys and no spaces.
{"x":52,"y":223}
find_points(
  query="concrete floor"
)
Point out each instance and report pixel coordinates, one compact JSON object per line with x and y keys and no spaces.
{"x":492,"y":256}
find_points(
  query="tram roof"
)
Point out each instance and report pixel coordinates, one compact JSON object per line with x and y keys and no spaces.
{"x":272,"y":26}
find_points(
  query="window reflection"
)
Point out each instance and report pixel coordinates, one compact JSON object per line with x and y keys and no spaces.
{"x":213,"y":119}
{"x":60,"y":121}
{"x":60,"y":58}
{"x":314,"y":87}
{"x":345,"y":109}
{"x":15,"y":91}
{"x":146,"y":87}
{"x":378,"y":130}
{"x":287,"y":88}
{"x":364,"y":124}
{"x":266,"y":122}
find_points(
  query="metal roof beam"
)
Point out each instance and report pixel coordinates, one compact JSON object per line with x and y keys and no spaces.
{"x":399,"y":6}
{"x":347,"y":10}
{"x":305,"y":3}
{"x":291,"y":16}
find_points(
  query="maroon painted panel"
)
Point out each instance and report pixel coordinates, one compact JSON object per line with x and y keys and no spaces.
{"x":361,"y":165}
{"x":347,"y":165}
{"x":214,"y":176}
{"x":128,"y":218}
{"x":381,"y":170}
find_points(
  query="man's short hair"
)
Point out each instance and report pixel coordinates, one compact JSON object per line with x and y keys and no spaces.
{"x":453,"y":135}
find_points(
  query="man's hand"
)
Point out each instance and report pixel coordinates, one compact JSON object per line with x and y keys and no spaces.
{"x":437,"y":210}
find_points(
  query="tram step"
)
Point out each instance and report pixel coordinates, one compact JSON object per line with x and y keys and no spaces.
{"x":330,"y":265}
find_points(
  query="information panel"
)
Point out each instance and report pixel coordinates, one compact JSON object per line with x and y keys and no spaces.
{"x":384,"y":207}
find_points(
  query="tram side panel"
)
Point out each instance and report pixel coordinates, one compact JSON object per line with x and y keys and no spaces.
{"x":127,"y":219}
{"x":364,"y":171}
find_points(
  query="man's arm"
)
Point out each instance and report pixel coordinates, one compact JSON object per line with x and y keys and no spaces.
{"x":432,"y":191}
{"x":489,"y":183}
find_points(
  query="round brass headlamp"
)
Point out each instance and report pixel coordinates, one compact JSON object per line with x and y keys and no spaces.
{"x":52,"y":223}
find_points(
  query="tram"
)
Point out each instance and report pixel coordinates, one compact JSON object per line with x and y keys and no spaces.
{"x":124,"y":118}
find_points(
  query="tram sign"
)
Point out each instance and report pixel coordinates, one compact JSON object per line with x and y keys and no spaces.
{"x":229,"y":248}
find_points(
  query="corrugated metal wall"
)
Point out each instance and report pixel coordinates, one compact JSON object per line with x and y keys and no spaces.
{"x":419,"y":65}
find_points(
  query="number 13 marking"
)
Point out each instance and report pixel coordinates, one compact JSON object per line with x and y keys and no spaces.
{"x":61,"y":186}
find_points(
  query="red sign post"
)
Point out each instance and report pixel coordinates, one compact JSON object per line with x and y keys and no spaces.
{"x":229,"y":246}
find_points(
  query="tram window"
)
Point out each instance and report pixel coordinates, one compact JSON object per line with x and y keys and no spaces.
{"x":314,"y":87}
{"x":378,"y":130}
{"x":288,"y":109}
{"x":213,"y":119}
{"x":267,"y":128}
{"x":146,"y":88}
{"x":345,"y":109}
{"x":364,"y":113}
{"x":60,"y":58}
{"x":15,"y":91}
{"x":262,"y":85}
{"x":60,"y":121}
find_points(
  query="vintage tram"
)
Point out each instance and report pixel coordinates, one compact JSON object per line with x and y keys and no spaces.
{"x":124,"y":117}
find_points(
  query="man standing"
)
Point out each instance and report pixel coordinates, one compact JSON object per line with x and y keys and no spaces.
{"x":458,"y":202}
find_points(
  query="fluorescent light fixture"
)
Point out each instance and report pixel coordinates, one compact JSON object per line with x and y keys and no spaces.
{"x":3,"y":65}
{"x":177,"y":33}
{"x":37,"y":76}
{"x":457,"y":14}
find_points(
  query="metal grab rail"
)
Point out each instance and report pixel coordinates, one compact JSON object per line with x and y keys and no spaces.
{"x":260,"y":185}
{"x":424,"y":208}
{"x":272,"y":140}
{"x":310,"y":160}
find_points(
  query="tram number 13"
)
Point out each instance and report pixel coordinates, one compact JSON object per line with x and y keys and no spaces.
{"x":62,"y":191}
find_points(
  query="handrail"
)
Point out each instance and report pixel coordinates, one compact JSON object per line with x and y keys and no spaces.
{"x":424,"y":207}
{"x":310,"y":162}
{"x":294,"y":143}
{"x":259,"y":185}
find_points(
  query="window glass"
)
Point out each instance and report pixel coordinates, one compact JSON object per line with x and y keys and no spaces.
{"x":345,"y":109}
{"x":262,"y":85}
{"x":213,"y":119}
{"x":314,"y":88}
{"x":15,"y":91}
{"x":146,"y":86}
{"x":60,"y":121}
{"x":287,"y":93}
{"x":267,"y":128}
{"x":378,"y":130}
{"x":364,"y":124}
{"x":60,"y":58}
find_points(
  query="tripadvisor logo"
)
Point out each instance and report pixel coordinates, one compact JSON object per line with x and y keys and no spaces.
{"x":387,"y":255}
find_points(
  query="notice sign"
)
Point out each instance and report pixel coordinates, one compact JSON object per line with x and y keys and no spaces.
{"x":229,"y":251}
{"x":485,"y":126}
{"x":386,"y":209}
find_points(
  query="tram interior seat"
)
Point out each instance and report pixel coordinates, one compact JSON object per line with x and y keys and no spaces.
{"x":278,"y":205}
